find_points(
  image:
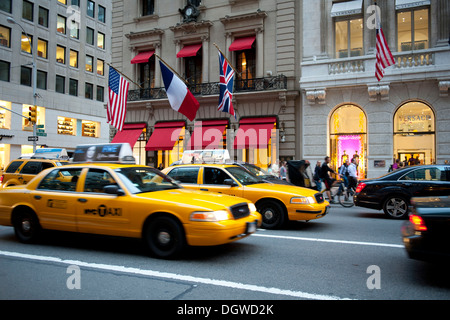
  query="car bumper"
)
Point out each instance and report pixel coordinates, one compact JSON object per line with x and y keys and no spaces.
{"x":421,"y":246}
{"x":217,"y":233}
{"x":308,"y":212}
{"x":366,"y":202}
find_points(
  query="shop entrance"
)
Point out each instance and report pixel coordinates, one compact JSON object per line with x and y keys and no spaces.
{"x":414,"y":134}
{"x":348,"y":137}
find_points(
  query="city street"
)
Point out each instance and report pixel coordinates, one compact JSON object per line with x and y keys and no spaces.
{"x":353,"y":253}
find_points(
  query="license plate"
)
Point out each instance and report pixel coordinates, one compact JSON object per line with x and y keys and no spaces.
{"x":251,"y":227}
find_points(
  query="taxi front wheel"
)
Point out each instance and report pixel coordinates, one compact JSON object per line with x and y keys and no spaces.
{"x":26,"y":226}
{"x":165,"y":237}
{"x":272,"y":214}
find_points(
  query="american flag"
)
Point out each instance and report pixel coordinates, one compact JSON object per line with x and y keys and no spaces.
{"x":384,"y":55}
{"x":117,"y":102}
{"x":225,"y":86}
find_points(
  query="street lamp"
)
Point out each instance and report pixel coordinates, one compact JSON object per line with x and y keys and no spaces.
{"x":33,"y":75}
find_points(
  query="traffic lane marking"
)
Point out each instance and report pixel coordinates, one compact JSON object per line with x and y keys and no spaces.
{"x":173,"y":276}
{"x":362,"y":243}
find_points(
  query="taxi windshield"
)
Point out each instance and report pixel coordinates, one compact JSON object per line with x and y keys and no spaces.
{"x":243,"y":176}
{"x":143,"y":179}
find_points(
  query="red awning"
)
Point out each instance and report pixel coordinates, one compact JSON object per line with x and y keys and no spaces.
{"x":254,"y":133}
{"x":189,"y":51}
{"x":130,"y":133}
{"x":164,"y":136}
{"x":208,"y":134}
{"x":242,"y":43}
{"x":142,"y":57}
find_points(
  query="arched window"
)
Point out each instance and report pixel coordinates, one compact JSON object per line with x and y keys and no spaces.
{"x":414,"y":134}
{"x":348,"y":137}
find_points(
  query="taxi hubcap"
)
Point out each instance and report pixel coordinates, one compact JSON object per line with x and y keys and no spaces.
{"x":268,"y":214}
{"x":26,"y":225}
{"x":164,"y":237}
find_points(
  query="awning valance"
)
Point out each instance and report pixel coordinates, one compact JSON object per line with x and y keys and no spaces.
{"x":254,"y":133}
{"x":142,"y":57}
{"x":242,"y":43}
{"x":346,"y":8}
{"x":165,"y":135}
{"x":189,"y":51}
{"x":130,"y":133}
{"x":208,"y":134}
{"x":405,"y":4}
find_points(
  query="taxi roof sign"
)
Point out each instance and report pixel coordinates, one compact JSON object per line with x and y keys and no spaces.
{"x":107,"y":152}
{"x":50,"y":153}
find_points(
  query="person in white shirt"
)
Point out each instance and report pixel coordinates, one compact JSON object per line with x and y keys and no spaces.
{"x":352,"y":174}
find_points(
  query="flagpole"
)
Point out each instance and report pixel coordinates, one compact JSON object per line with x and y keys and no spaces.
{"x":168,"y":66}
{"x":124,"y":75}
{"x":226,"y":59}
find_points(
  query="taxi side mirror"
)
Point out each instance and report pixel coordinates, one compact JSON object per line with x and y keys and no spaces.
{"x":113,"y":189}
{"x":230,"y":182}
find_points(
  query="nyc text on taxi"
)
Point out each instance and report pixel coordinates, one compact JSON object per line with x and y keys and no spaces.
{"x":124,"y":200}
{"x":277,"y":203}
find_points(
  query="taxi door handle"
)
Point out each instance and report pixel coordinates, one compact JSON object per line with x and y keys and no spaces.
{"x":82,"y":200}
{"x":203,"y":189}
{"x":37,"y":197}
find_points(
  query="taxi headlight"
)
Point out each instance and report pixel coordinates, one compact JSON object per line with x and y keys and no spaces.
{"x":252,"y":207}
{"x":210,"y":216}
{"x":302,"y":200}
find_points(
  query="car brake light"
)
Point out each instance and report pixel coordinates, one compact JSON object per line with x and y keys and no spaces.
{"x":418,"y":222}
{"x":360,"y":186}
{"x":1,"y":178}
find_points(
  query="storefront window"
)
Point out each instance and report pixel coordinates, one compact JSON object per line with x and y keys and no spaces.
{"x":5,"y":116}
{"x":90,"y":129}
{"x":348,"y":137}
{"x":67,"y":126}
{"x":414,"y":133}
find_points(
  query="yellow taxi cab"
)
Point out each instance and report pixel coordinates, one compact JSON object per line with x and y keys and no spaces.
{"x":277,"y":203}
{"x":22,"y":170}
{"x":123,"y":199}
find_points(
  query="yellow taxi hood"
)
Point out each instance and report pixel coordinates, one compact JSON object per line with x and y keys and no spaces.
{"x":193,"y":198}
{"x":281,"y":188}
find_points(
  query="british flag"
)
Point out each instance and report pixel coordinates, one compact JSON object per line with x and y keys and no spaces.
{"x":226,"y":86}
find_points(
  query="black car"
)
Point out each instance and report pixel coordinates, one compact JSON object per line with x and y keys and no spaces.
{"x":426,"y":234}
{"x":392,"y":192}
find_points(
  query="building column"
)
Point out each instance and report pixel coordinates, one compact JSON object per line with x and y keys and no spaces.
{"x":259,"y":53}
{"x":157,"y":68}
{"x":205,"y":66}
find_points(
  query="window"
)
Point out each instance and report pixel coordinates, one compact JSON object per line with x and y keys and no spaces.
{"x":89,"y":63}
{"x":349,"y":38}
{"x":43,"y":17}
{"x":60,"y":84}
{"x":148,"y":7}
{"x":41,"y":80}
{"x":97,"y":179}
{"x":147,"y":73}
{"x":100,"y":67}
{"x":73,"y":87}
{"x":214,"y":176}
{"x":100,"y":94}
{"x":75,"y":2}
{"x":61,"y":24}
{"x":25,"y":76}
{"x":425,"y":174}
{"x":89,"y":91}
{"x":101,"y":14}
{"x":62,"y":1}
{"x":25,"y":43}
{"x":60,"y":180}
{"x":89,"y":36}
{"x":4,"y":70}
{"x":89,"y":128}
{"x":42,"y":48}
{"x":73,"y":58}
{"x":67,"y":126}
{"x":74,"y":29}
{"x":246,"y":66}
{"x":60,"y":54}
{"x":100,"y":40}
{"x":412,"y":30}
{"x":90,"y":8}
{"x":5,"y":5}
{"x":184,"y":175}
{"x":27,"y":10}
{"x":5,"y":36}
{"x":193,"y":71}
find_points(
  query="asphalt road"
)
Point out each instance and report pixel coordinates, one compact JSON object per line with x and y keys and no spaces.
{"x":352,"y":253}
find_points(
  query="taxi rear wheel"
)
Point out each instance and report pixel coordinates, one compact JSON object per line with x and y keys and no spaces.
{"x":165,"y":237}
{"x":26,"y":226}
{"x":272,"y":214}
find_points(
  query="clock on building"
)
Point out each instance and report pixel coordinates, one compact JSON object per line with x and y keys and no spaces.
{"x":189,"y":13}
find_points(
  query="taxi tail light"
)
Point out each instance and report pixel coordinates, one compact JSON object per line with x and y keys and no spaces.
{"x":1,"y":178}
{"x":360,"y":187}
{"x":418,"y":222}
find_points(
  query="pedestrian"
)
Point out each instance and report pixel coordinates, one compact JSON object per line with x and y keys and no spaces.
{"x":160,"y":167}
{"x":343,"y":171}
{"x":325,"y":177}
{"x":396,"y":164}
{"x":283,"y":171}
{"x":316,"y":176}
{"x":352,"y":175}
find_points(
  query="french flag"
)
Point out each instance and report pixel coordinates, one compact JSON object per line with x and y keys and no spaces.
{"x":180,"y":98}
